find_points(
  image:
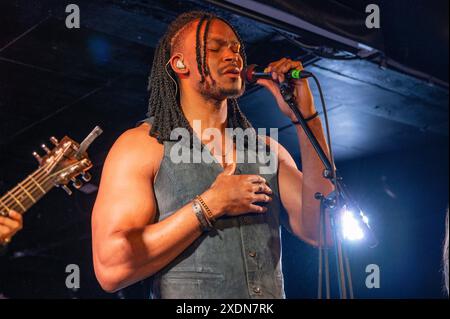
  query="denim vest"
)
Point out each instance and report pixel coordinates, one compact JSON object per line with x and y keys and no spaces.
{"x":240,"y":258}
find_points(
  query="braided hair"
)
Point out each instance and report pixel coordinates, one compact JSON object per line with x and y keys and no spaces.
{"x":164,"y":103}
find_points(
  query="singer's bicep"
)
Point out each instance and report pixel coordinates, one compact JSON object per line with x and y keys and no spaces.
{"x":290,"y":183}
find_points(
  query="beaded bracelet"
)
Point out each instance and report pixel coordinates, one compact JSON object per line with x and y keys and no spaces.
{"x":208,"y":213}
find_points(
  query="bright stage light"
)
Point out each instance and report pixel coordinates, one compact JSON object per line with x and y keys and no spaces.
{"x":351,"y":225}
{"x":365,"y":219}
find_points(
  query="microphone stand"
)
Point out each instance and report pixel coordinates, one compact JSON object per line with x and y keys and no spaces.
{"x":334,"y":202}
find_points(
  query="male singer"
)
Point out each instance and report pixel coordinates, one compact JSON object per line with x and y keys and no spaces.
{"x":208,"y":229}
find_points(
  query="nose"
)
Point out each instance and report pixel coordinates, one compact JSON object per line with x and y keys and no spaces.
{"x":233,"y":57}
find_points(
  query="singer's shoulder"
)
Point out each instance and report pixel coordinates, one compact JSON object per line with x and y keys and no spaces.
{"x":138,"y":137}
{"x":135,"y":146}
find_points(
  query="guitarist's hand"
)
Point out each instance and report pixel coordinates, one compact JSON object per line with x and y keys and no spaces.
{"x":9,"y":226}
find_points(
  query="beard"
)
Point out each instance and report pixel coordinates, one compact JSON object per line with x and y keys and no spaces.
{"x":219,"y":92}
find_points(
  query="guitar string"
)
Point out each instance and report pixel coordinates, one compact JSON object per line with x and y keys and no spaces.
{"x":32,"y":180}
{"x":7,"y":198}
{"x":51,"y":175}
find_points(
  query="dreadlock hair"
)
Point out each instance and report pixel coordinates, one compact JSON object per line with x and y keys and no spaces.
{"x":164,"y":103}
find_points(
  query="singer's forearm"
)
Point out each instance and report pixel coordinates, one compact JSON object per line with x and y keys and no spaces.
{"x":313,"y":180}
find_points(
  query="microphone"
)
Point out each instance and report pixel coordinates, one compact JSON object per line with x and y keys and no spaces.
{"x":253,"y":72}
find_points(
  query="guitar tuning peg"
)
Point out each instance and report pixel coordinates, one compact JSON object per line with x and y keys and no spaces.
{"x":37,"y":157}
{"x":67,"y":189}
{"x":45,"y":148}
{"x":76,"y":183}
{"x":86,"y":177}
{"x":54,"y":140}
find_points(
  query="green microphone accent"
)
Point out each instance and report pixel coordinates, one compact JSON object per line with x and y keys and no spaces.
{"x":295,"y":74}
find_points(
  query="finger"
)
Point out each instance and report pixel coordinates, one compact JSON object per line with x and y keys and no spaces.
{"x":229,"y":169}
{"x":289,"y":66}
{"x":274,"y":76}
{"x":278,"y":67}
{"x":276,"y":70}
{"x":8,"y":222}
{"x":5,"y":231}
{"x":279,"y":77}
{"x":274,"y":64}
{"x":262,"y":188}
{"x":256,"y":179}
{"x":257,"y":209}
{"x":299,"y":66}
{"x":282,"y":68}
{"x":15,"y":215}
{"x":261,"y":198}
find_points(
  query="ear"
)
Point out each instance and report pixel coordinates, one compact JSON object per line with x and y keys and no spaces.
{"x":177,"y":62}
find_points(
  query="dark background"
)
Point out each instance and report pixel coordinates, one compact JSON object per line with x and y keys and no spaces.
{"x":389,"y":126}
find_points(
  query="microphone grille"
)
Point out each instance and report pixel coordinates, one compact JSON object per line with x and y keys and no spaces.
{"x":247,"y":73}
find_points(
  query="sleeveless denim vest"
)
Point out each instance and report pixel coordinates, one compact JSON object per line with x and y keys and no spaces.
{"x":240,"y":258}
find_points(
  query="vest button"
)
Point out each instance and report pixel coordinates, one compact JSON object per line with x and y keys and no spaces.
{"x":256,"y":290}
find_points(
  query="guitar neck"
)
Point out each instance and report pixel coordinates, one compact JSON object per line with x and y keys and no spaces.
{"x":28,"y":192}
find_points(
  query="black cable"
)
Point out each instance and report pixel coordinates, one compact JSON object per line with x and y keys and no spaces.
{"x":349,"y":273}
{"x":323,"y":256}
{"x":318,"y":51}
{"x":327,"y":130}
{"x":320,"y":263}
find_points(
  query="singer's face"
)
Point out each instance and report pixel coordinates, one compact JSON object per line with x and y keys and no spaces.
{"x":223,"y":61}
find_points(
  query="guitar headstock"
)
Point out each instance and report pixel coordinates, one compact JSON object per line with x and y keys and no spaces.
{"x":67,"y":161}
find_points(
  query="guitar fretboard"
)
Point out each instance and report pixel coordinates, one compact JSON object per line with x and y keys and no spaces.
{"x":27,"y":192}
